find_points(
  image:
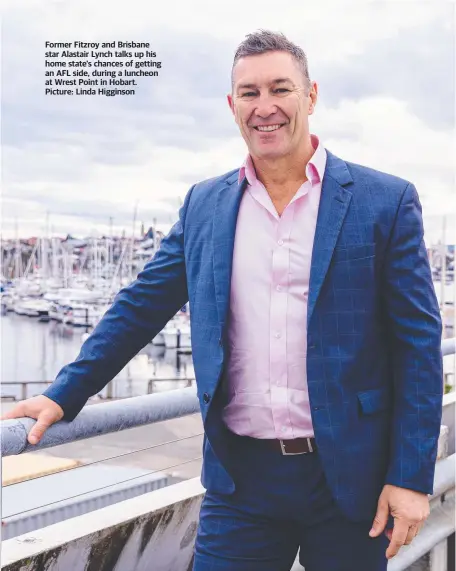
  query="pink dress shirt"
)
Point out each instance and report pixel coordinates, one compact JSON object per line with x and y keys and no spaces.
{"x":266,"y":376}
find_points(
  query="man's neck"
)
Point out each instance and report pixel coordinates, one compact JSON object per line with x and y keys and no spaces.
{"x":282,"y":177}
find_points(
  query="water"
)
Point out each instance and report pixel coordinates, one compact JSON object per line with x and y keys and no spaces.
{"x":35,"y":351}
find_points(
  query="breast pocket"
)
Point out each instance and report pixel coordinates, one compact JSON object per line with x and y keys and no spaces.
{"x":353,"y":267}
{"x":353,"y":253}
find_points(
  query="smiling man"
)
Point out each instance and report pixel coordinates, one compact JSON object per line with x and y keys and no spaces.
{"x":316,"y":340}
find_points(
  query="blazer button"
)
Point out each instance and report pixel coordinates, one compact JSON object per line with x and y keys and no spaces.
{"x":206,"y":398}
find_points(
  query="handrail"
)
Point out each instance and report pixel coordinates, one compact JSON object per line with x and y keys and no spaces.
{"x":95,"y":420}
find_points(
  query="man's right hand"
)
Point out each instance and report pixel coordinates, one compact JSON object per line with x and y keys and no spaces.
{"x":41,"y":408}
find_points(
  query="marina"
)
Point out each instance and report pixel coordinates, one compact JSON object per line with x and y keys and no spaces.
{"x":54,"y":292}
{"x":33,"y":352}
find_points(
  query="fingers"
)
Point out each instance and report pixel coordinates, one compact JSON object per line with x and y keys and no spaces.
{"x":44,"y":421}
{"x":39,"y":428}
{"x":16,"y":412}
{"x":380,"y":519}
{"x":412,"y":533}
{"x":41,"y":408}
{"x":413,"y":530}
{"x":398,"y":538}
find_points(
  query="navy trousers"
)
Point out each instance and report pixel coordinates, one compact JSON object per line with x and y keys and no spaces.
{"x":281,"y":504}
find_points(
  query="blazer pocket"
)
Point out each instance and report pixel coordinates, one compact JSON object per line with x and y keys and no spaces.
{"x":373,"y":401}
{"x":353,"y":252}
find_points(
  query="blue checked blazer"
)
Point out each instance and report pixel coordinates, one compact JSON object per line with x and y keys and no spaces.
{"x":374,"y":331}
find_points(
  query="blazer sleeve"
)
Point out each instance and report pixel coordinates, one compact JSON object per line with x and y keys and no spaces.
{"x":139,"y":312}
{"x":415,"y":329}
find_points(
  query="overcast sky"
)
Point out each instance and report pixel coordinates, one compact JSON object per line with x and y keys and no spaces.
{"x":386,"y":77}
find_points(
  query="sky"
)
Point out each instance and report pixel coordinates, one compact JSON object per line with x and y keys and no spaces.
{"x":385,"y":73}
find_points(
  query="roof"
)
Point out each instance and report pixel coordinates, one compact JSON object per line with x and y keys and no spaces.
{"x":81,"y":484}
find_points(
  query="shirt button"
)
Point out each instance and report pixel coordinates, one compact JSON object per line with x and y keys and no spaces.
{"x":277,"y":335}
{"x":280,"y":242}
{"x":279,"y":288}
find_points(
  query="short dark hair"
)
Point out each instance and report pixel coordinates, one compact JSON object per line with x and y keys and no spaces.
{"x":264,"y":41}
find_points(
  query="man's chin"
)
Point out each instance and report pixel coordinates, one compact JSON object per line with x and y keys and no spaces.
{"x":269,"y":154}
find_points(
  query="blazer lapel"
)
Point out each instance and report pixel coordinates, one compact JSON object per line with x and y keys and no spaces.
{"x":334,"y":203}
{"x":223,"y":232}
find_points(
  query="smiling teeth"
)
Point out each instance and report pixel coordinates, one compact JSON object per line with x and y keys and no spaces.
{"x":268,"y":127}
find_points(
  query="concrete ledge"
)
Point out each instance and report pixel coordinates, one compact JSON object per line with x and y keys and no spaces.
{"x":154,"y":531}
{"x":157,"y":531}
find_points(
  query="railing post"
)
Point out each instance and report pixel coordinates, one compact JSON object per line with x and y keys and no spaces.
{"x":439,"y":557}
{"x":451,"y":563}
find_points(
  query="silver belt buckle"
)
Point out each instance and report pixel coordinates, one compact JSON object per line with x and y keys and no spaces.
{"x":285,"y":453}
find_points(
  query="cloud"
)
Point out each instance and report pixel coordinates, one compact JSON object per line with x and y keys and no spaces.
{"x":385,"y":72}
{"x":412,"y":67}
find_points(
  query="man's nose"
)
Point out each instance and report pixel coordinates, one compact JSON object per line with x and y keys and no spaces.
{"x":265,"y":106}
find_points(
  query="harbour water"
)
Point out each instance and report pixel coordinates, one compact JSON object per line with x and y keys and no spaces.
{"x":33,"y":352}
{"x":36,"y":351}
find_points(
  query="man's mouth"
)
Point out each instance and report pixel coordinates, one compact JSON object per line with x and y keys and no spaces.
{"x":268,"y":128}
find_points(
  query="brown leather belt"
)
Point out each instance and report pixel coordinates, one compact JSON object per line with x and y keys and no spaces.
{"x":294,"y":446}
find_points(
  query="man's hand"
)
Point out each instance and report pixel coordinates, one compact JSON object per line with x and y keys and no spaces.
{"x":409,"y":510}
{"x":43,"y":409}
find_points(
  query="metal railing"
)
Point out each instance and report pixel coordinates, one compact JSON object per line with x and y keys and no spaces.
{"x":101,"y":419}
{"x":438,"y":528}
{"x":132,"y":412}
{"x":23,"y":386}
{"x":26,"y":393}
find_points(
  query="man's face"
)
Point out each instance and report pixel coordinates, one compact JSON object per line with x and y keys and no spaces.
{"x":271,"y":104}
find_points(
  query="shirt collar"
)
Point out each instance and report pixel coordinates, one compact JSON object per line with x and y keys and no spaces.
{"x":314,"y":170}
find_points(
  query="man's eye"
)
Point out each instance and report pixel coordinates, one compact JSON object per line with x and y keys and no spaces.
{"x":281,"y":90}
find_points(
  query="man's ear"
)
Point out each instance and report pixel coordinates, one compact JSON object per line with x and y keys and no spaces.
{"x":313,"y":95}
{"x":229,"y":98}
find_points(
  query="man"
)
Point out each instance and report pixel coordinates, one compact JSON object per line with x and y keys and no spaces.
{"x":316,"y":340}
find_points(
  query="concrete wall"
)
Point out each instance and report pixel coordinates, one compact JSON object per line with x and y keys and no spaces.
{"x":154,"y":531}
